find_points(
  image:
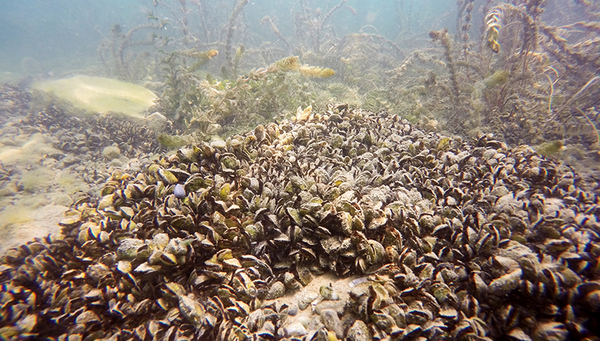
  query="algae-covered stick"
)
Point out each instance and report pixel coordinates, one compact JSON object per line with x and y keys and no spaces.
{"x":234,"y":14}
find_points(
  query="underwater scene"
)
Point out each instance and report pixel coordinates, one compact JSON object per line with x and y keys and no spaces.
{"x":300,"y":170}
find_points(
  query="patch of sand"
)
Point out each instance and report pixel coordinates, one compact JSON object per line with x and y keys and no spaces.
{"x":40,"y":222}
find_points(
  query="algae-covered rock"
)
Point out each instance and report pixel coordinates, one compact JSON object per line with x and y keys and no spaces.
{"x":549,"y":148}
{"x":173,"y":141}
{"x":98,"y":94}
{"x":111,"y":152}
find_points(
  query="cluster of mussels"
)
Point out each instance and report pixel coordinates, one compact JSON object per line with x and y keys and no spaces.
{"x":13,"y":102}
{"x":438,"y":239}
{"x":88,"y":135}
{"x":78,"y":143}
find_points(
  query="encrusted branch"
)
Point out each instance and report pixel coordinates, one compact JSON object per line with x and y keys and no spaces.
{"x":118,"y":43}
{"x":325,"y":18}
{"x":234,"y":14}
{"x":444,"y":38}
{"x":270,"y":21}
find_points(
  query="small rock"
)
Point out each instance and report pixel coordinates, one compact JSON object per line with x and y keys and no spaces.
{"x":179,"y":191}
{"x":306,"y":299}
{"x":358,"y":332}
{"x":124,"y":266}
{"x":218,"y":144}
{"x":314,"y":323}
{"x":338,"y":306}
{"x":111,"y":152}
{"x":128,"y":248}
{"x":305,"y":320}
{"x":277,"y":290}
{"x":115,"y":163}
{"x":97,"y":271}
{"x":489,"y":153}
{"x":327,"y":293}
{"x":157,"y":121}
{"x":69,"y":159}
{"x":87,"y":317}
{"x":332,"y":322}
{"x":161,"y":240}
{"x":500,"y":191}
{"x":292,"y":309}
{"x":267,"y":331}
{"x":295,"y":329}
{"x":134,"y":165}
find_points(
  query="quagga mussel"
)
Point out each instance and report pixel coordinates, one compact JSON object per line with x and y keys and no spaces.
{"x":346,"y":225}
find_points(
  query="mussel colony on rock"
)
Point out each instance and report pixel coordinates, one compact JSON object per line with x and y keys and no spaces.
{"x":441,"y":240}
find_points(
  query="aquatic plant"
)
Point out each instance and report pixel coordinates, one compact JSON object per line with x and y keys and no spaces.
{"x":205,"y":105}
{"x":268,"y":20}
{"x":463,"y":23}
{"x":313,"y":24}
{"x":510,"y":70}
{"x":180,"y":90}
{"x":520,"y":78}
{"x":118,"y":57}
{"x":230,"y":29}
{"x":444,"y":38}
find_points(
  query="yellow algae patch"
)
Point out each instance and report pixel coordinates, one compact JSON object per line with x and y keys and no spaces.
{"x":99,"y":94}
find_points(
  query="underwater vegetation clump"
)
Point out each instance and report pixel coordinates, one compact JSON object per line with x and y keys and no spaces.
{"x":512,"y":73}
{"x":120,"y":54}
{"x":537,"y":76}
{"x":205,"y":106}
{"x":507,"y":67}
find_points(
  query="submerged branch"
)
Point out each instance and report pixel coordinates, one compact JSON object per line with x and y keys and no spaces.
{"x":230,"y":29}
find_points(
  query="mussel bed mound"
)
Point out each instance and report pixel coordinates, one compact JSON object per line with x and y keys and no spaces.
{"x":439,"y":239}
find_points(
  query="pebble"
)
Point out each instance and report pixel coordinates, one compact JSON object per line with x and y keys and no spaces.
{"x":307,"y":299}
{"x":338,"y":306}
{"x":277,"y":290}
{"x":292,"y":309}
{"x":179,"y":191}
{"x":116,"y":163}
{"x":69,"y":159}
{"x":358,"y":332}
{"x":295,"y":329}
{"x":332,"y":322}
{"x":327,"y":292}
{"x":111,"y":152}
